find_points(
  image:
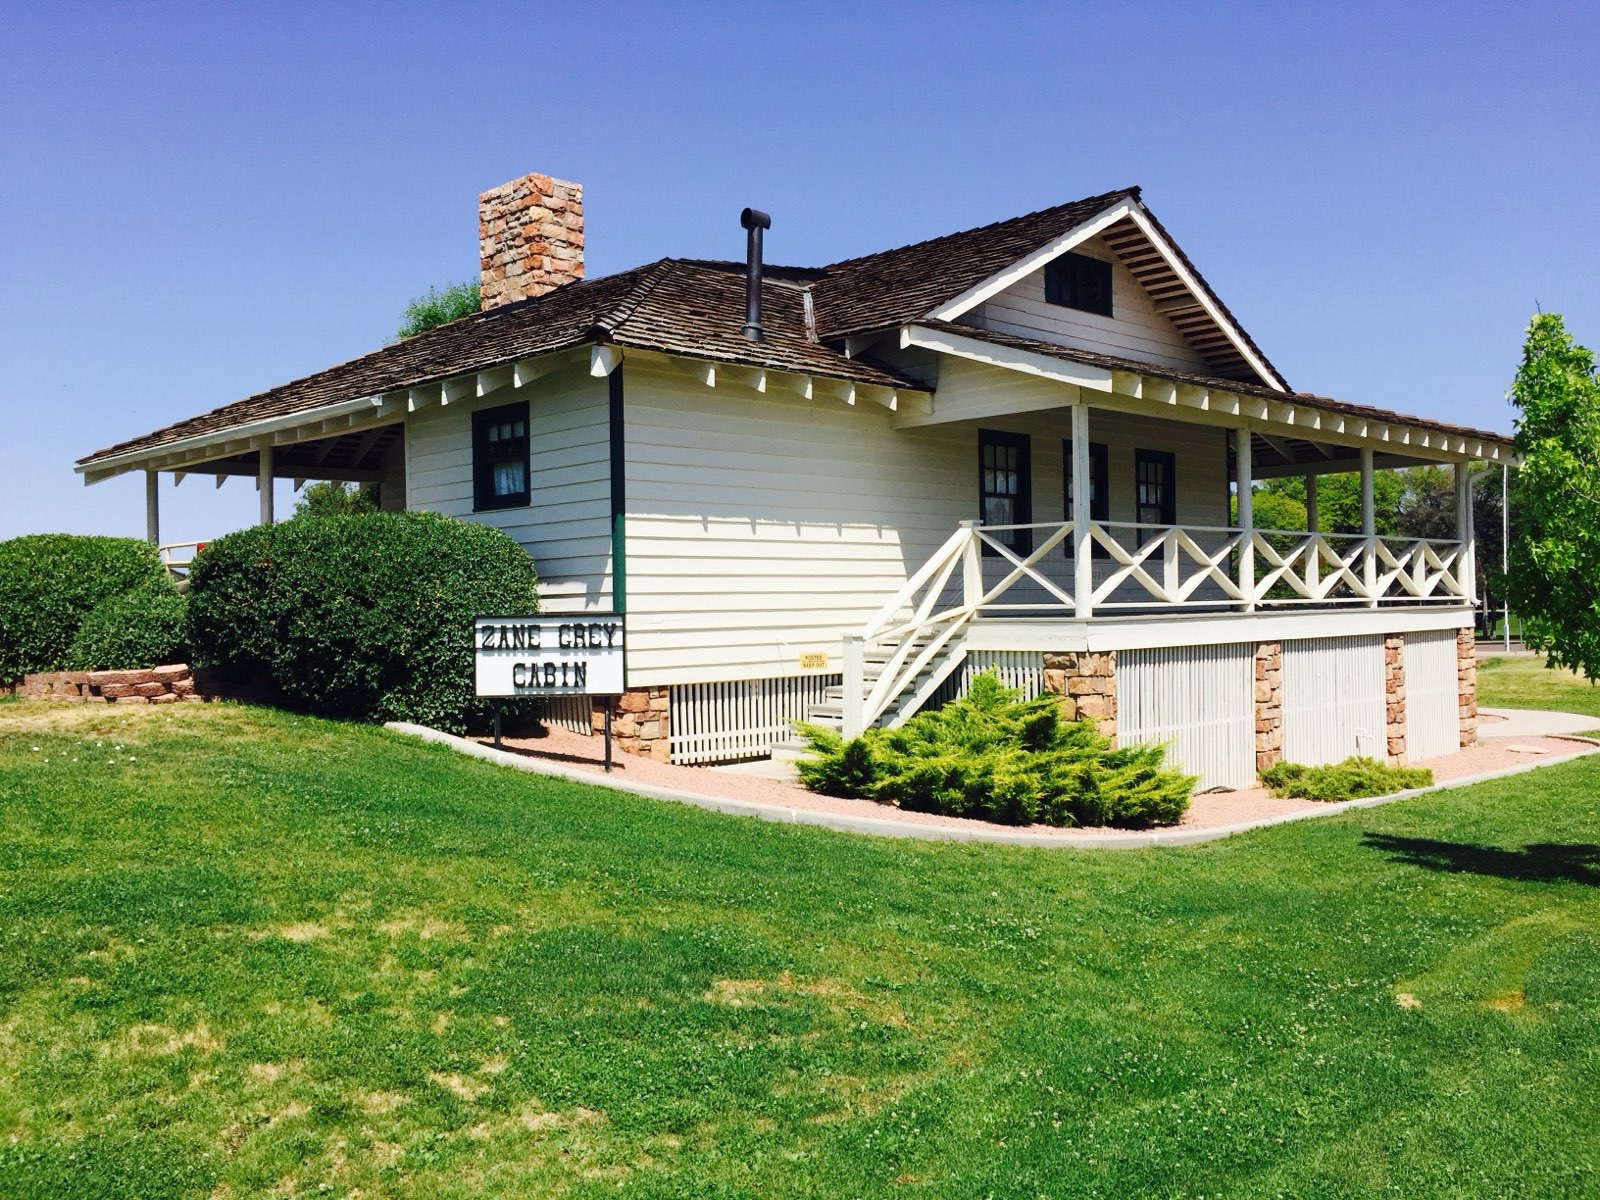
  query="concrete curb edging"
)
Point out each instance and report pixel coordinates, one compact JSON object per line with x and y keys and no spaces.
{"x":889,"y":827}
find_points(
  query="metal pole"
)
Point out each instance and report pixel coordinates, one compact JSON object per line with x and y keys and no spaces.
{"x":608,"y":735}
{"x":1505,"y":542}
{"x":497,"y":744}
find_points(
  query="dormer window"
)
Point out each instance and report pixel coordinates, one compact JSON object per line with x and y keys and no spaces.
{"x":1078,"y":281}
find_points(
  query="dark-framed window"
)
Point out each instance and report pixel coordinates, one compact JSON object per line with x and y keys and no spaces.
{"x":1155,"y":490}
{"x":1005,"y":487}
{"x":1099,"y":487}
{"x":500,"y":457}
{"x":1078,"y":281}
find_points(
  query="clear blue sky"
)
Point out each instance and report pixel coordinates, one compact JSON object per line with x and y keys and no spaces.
{"x":199,"y":202}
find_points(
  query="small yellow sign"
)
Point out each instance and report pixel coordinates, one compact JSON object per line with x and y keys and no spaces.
{"x":816,"y":661}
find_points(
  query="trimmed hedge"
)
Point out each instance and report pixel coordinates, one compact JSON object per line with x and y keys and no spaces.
{"x":993,"y":756}
{"x":363,"y":617}
{"x":140,"y":628}
{"x":50,"y":582}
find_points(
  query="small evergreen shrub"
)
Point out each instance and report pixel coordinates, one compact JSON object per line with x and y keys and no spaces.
{"x":363,"y":617}
{"x":1351,"y":779}
{"x":49,"y":583}
{"x":140,"y":628}
{"x":995,"y":757}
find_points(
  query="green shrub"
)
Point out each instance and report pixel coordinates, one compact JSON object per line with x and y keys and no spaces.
{"x":995,"y":757}
{"x":140,"y":628}
{"x":50,"y":582}
{"x":330,"y":498}
{"x":361,"y":617}
{"x":1349,"y":780}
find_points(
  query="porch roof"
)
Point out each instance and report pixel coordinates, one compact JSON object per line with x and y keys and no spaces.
{"x":1277,"y":450}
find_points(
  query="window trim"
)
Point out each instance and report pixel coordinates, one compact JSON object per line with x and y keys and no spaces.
{"x":1099,"y":489}
{"x":1064,"y":282}
{"x":1022,"y":502}
{"x":1169,"y":501}
{"x":483,"y":495}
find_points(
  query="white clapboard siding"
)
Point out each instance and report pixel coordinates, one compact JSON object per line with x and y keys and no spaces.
{"x":1200,"y":701}
{"x":1433,"y":723}
{"x":727,"y":722}
{"x":1134,"y":330}
{"x":763,"y":526}
{"x":1333,"y":699}
{"x":567,"y":523}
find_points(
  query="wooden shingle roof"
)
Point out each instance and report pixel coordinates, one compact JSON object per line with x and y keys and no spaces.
{"x":695,"y":309}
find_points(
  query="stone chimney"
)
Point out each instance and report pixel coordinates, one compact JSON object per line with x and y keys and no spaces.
{"x":530,"y":235}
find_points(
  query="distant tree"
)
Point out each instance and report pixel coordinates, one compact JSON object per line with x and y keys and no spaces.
{"x":1339,"y":500}
{"x":331,"y":498}
{"x":1554,"y":577}
{"x":439,"y":308}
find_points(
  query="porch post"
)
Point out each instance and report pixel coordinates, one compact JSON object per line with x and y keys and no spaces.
{"x":1313,"y":521}
{"x":852,"y":715}
{"x":264,"y":483}
{"x":1466,"y":563}
{"x":1082,"y":546}
{"x":152,"y":507}
{"x":1243,"y":469}
{"x":1369,"y":527}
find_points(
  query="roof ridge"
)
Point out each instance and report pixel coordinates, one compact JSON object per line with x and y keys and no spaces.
{"x":609,"y":322}
{"x":1107,"y":197}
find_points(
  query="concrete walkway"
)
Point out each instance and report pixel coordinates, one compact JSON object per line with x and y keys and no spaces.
{"x":1532,"y":722}
{"x":890,"y":827}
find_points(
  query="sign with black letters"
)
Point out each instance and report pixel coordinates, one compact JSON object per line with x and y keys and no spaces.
{"x":579,"y":654}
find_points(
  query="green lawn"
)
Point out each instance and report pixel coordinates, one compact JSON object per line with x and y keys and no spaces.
{"x":1528,"y":683}
{"x":245,"y":954}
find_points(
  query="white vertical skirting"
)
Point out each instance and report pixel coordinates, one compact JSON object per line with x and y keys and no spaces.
{"x":567,"y":712}
{"x":1200,"y":700}
{"x":1333,"y":699}
{"x":725,"y":722}
{"x":1432,"y":713}
{"x":1020,"y":669}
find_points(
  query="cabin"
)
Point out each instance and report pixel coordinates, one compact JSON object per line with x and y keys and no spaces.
{"x":835,"y":493}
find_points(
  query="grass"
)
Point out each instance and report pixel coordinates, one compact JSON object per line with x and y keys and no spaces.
{"x":243,"y":953}
{"x":1528,"y":683}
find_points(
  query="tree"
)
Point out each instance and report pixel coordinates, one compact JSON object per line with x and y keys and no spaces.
{"x":331,"y":498}
{"x":1554,"y":577}
{"x":1339,"y":500}
{"x":457,"y":300}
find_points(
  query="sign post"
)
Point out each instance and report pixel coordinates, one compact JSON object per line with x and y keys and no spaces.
{"x":539,"y":656}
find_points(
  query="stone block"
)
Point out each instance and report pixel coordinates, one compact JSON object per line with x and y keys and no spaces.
{"x":1094,"y":706}
{"x":165,"y":698}
{"x":650,"y":730}
{"x":633,"y":702}
{"x":150,"y":689}
{"x":116,"y":691}
{"x":1069,"y":708}
{"x":171,"y":672}
{"x":659,"y":703}
{"x":182,"y":687}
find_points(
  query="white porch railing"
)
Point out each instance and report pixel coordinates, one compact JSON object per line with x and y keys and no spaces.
{"x":915,"y":640}
{"x":178,"y":557}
